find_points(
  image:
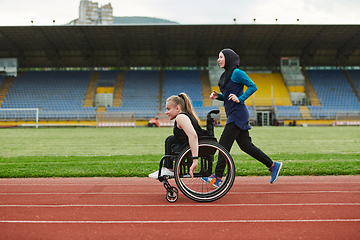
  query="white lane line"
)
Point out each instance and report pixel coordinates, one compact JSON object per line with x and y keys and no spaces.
{"x":156,"y":193}
{"x":152,"y":184}
{"x":294,"y":192}
{"x":81,"y":185}
{"x":175,"y":205}
{"x":188,"y":221}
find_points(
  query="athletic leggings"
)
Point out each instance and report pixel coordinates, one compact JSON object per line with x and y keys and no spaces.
{"x":171,"y":144}
{"x":232,"y":132}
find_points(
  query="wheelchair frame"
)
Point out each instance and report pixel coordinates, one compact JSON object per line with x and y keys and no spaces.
{"x":195,"y":188}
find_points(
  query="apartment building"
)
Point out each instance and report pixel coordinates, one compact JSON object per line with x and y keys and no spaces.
{"x":91,"y":13}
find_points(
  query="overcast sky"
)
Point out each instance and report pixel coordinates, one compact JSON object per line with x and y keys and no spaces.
{"x":43,"y":12}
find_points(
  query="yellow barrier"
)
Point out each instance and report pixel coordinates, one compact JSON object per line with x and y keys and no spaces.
{"x":104,"y":90}
{"x":320,"y":122}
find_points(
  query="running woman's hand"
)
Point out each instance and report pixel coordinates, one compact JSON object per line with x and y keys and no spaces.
{"x":234,"y":98}
{"x":214,"y":95}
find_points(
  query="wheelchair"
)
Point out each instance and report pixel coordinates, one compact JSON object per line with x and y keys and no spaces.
{"x":196,"y":188}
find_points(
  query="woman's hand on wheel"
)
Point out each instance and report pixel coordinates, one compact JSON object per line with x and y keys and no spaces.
{"x":193,"y":167}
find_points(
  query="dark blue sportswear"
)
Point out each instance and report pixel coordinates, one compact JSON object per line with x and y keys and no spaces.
{"x":237,"y":112}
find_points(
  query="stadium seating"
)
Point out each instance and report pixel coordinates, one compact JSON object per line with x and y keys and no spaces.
{"x":356,"y":77}
{"x":251,"y":112}
{"x":288,"y":111}
{"x":58,"y":95}
{"x":141,"y":91}
{"x":334,"y":92}
{"x":188,"y":81}
{"x":107,"y":78}
{"x":61,"y":94}
{"x":140,"y":94}
{"x":280,"y":95}
{"x":264,"y":81}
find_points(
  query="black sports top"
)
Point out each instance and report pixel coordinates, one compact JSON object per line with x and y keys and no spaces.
{"x":181,"y":135}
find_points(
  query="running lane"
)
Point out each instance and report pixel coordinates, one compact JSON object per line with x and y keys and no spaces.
{"x":136,"y":208}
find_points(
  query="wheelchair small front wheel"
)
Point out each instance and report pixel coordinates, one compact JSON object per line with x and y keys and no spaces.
{"x":197,"y":189}
{"x":172,"y":195}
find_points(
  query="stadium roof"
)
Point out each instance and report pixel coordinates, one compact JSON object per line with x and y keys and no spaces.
{"x":179,"y":45}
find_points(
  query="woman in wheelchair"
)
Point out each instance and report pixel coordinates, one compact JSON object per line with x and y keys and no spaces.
{"x":194,"y":151}
{"x":186,"y":130}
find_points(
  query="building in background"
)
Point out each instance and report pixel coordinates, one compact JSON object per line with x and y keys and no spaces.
{"x":106,"y":14}
{"x":90,"y":13}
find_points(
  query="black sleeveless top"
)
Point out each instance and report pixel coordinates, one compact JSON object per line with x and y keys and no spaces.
{"x":181,"y":135}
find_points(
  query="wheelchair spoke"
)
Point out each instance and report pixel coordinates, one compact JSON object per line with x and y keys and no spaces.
{"x":198,"y":188}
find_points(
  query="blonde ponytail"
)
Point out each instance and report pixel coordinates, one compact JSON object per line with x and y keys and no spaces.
{"x":185,"y":104}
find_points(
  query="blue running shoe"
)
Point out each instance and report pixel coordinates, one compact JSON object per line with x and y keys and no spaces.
{"x":212,"y":180}
{"x":275,"y":170}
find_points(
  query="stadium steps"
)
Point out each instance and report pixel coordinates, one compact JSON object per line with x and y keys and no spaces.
{"x":206,"y":90}
{"x":5,"y":89}
{"x":352,"y":83}
{"x":161,"y":91}
{"x":101,"y":109}
{"x":312,"y":94}
{"x":305,"y":112}
{"x":89,"y":97}
{"x":119,"y":87}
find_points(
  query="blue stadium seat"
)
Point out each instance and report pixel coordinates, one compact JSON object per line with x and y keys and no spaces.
{"x":140,"y":93}
{"x":59,"y":91}
{"x":334,"y":92}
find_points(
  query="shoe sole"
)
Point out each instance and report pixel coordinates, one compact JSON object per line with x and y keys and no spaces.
{"x":211,"y":183}
{"x":162,"y":175}
{"x":277,"y":173}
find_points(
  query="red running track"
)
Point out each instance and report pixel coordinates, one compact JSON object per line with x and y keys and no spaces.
{"x":136,"y":208}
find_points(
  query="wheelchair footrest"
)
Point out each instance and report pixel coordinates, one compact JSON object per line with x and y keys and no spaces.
{"x":166,"y":184}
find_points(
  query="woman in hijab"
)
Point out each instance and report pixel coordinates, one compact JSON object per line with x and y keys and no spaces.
{"x":231,"y":84}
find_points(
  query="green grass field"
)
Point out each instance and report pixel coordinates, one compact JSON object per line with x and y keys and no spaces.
{"x":125,"y":152}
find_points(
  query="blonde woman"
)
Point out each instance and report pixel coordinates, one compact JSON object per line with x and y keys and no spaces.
{"x":186,"y":130}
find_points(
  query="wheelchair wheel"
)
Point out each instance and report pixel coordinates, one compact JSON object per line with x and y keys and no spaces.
{"x":172,"y":194}
{"x":196,"y":188}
